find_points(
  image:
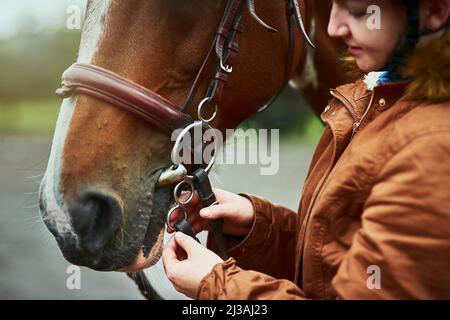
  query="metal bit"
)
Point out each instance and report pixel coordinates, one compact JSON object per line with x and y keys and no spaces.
{"x":172,"y":175}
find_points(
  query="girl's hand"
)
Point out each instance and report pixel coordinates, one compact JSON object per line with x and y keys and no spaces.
{"x":186,"y":263}
{"x":237,"y":212}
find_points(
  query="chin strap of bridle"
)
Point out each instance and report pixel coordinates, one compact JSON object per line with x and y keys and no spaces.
{"x":144,"y":286}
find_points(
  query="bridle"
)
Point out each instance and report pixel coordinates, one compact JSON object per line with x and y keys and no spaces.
{"x":116,"y":90}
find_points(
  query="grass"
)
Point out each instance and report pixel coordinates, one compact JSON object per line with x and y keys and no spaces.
{"x":309,"y":132}
{"x":29,"y":117}
{"x":313,"y":129}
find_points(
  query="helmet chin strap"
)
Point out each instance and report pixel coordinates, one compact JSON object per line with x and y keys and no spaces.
{"x":409,"y":44}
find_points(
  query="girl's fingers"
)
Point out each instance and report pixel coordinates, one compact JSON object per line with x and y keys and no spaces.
{"x":185,"y":196}
{"x":192,"y":216}
{"x":226,"y":210}
{"x":197,"y":228}
{"x":197,"y":215}
{"x":169,"y":255}
{"x":201,"y":226}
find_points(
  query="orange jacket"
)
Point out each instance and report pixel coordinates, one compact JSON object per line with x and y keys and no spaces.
{"x":374,"y":218}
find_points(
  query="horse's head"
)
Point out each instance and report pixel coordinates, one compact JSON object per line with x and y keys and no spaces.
{"x":98,"y":195}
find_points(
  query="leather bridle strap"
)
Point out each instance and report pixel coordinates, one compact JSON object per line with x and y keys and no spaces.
{"x":225,"y":34}
{"x":123,"y":93}
{"x":227,"y":48}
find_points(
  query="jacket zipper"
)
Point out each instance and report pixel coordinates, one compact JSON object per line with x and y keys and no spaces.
{"x":346,"y":103}
{"x":356,"y":121}
{"x":356,"y":124}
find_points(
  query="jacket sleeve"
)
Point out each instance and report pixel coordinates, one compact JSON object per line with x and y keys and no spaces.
{"x":270,"y":246}
{"x":402,"y":250}
{"x":227,"y":281}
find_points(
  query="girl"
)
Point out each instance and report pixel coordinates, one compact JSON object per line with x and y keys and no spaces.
{"x":374,"y":218}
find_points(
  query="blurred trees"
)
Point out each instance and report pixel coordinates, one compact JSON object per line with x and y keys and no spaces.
{"x":291,"y":114}
{"x":31,"y":64}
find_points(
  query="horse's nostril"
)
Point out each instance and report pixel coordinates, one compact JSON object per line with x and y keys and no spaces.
{"x":95,"y":219}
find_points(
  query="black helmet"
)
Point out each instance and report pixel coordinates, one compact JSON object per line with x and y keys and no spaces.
{"x":410,"y":42}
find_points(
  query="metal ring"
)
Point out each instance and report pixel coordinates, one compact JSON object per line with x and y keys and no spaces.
{"x":169,"y":214}
{"x":174,"y":153}
{"x":200,"y":111}
{"x":225,"y":67}
{"x":216,"y":149}
{"x":177,"y":189}
{"x":180,"y":137}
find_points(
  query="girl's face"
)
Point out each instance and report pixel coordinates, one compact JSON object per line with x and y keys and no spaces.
{"x":371,"y":37}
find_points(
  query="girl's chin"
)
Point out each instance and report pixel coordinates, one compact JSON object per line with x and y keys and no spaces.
{"x":368,"y":64}
{"x":366,"y":67}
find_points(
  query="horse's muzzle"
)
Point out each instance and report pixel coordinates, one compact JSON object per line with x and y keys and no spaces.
{"x":95,"y":218}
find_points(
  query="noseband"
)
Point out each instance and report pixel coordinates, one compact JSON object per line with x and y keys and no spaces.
{"x":113,"y":89}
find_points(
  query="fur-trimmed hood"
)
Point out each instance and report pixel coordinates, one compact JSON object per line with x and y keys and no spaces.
{"x":428,"y":68}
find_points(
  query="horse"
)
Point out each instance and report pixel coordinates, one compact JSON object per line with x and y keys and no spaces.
{"x":100,"y":196}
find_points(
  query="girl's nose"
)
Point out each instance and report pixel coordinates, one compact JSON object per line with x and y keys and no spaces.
{"x":337,"y":27}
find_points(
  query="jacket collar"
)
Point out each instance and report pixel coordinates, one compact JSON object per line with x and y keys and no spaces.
{"x":359,"y":98}
{"x":362,"y":105}
{"x":429,"y":77}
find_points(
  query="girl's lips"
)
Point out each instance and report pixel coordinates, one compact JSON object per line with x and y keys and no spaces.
{"x":355,"y":50}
